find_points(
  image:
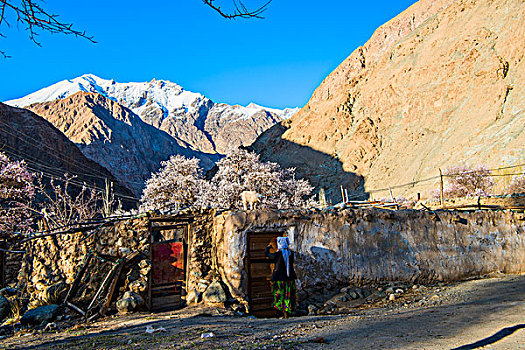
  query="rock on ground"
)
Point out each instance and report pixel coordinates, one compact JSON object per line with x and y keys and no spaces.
{"x":130,"y":302}
{"x":215,"y":293}
{"x":40,"y":315}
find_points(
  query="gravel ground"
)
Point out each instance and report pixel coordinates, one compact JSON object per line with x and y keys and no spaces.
{"x":487,"y":313}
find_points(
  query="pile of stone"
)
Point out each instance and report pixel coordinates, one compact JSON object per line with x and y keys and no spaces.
{"x":336,"y":302}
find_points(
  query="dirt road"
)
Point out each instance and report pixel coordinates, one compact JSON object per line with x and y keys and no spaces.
{"x":488,"y":313}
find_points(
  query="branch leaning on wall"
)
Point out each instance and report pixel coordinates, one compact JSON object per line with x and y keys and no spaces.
{"x":81,"y":227}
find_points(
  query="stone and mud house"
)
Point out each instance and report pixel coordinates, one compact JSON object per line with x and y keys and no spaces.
{"x":160,"y":262}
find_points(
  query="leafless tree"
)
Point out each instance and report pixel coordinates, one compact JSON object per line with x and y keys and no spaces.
{"x":35,"y":18}
{"x":61,"y":208}
{"x":239,"y":9}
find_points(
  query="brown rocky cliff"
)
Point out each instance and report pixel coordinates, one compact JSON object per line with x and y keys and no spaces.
{"x":216,"y":128}
{"x":439,"y":85}
{"x":113,"y":136}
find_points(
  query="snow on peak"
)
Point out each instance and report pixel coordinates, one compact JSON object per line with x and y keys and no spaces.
{"x":140,"y":97}
{"x":165,"y":94}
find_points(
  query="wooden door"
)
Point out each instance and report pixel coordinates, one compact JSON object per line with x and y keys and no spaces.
{"x":259,"y":271}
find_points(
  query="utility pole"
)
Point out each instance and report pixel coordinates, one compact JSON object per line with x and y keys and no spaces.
{"x":107,"y":197}
{"x":441,"y":187}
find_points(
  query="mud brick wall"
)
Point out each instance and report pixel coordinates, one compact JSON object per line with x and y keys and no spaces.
{"x":356,"y":246}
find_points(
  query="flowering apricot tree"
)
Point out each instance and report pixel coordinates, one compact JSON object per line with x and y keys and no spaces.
{"x":16,"y":193}
{"x":180,"y":181}
{"x":176,"y":183}
{"x":465,"y":181}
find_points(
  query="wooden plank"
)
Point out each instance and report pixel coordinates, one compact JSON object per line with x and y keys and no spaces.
{"x":168,"y":290}
{"x":166,"y":302}
{"x":74,"y":286}
{"x":258,"y":243}
{"x":75,"y":308}
{"x":261,"y":270}
{"x":174,"y":219}
{"x":168,"y":227}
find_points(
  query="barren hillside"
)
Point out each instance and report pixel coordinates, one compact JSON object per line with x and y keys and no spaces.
{"x":25,"y":135}
{"x":441,"y":84}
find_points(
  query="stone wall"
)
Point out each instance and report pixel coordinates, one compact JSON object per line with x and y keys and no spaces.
{"x":333,"y":248}
{"x":357,"y":246}
{"x":51,"y":263}
{"x":200,"y":271}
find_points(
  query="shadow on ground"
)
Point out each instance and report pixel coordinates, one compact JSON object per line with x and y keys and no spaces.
{"x":505,"y":332}
{"x":489,"y":306}
{"x":438,"y":324}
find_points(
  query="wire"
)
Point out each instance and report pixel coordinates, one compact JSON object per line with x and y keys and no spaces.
{"x":58,"y":173}
{"x":37,"y":162}
{"x":37,"y":144}
{"x":56,"y":156}
{"x":361,"y":194}
{"x":79,"y":184}
{"x":477,"y":171}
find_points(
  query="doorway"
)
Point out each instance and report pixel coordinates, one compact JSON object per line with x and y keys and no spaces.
{"x":259,"y":271}
{"x":168,"y":256}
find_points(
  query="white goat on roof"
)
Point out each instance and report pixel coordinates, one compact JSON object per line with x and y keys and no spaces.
{"x":250,"y":199}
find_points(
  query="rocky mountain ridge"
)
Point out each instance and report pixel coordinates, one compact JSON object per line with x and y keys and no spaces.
{"x":115,"y":137}
{"x":442,"y":84}
{"x":187,"y":116}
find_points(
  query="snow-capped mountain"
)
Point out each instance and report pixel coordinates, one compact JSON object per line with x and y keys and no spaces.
{"x":185,"y":115}
{"x":168,"y":96}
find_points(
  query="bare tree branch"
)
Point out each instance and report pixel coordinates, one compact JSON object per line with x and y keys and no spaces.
{"x":35,"y":18}
{"x":240,"y":11}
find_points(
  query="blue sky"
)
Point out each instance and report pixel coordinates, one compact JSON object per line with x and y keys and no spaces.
{"x":276,"y":62}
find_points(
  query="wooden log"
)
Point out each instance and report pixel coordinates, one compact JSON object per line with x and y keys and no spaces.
{"x":78,"y":278}
{"x":102,"y":286}
{"x":75,"y":308}
{"x":71,"y":230}
{"x":105,"y":306}
{"x":93,"y":317}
